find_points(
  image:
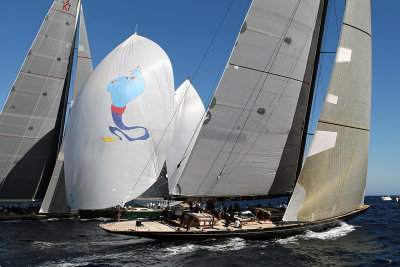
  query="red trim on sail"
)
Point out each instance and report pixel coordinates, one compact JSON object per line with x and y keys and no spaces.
{"x":63,"y":12}
{"x":117,"y":109}
{"x":84,"y":57}
{"x":42,"y":75}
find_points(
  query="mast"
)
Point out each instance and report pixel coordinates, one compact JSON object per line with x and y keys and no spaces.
{"x":332,"y":181}
{"x":311,"y":95}
{"x":55,"y":200}
{"x":240,"y":145}
{"x":292,"y":156}
{"x":31,"y":120}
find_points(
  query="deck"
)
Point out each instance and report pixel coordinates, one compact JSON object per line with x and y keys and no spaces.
{"x":160,"y":226}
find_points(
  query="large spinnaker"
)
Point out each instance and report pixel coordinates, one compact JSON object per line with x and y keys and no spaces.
{"x":31,"y":121}
{"x":55,"y":199}
{"x":332,"y":181}
{"x":188,"y":118}
{"x":117,"y":139}
{"x":239,"y":149}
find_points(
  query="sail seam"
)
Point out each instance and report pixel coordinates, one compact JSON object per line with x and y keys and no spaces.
{"x":267,"y":72}
{"x":63,"y":12}
{"x":43,"y":75}
{"x":19,"y":136}
{"x":344,"y":125}
{"x":357,"y":29}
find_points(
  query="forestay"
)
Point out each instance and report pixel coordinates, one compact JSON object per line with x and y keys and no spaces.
{"x":32,"y":119}
{"x":332,"y":181}
{"x":239,"y":148}
{"x":188,"y":116}
{"x":55,"y":199}
{"x":117,"y":139}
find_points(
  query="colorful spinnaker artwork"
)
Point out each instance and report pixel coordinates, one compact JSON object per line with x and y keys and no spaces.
{"x":112,"y":156}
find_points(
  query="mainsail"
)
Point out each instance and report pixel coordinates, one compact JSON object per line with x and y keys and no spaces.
{"x":189,"y":113}
{"x":55,"y":200}
{"x":117,"y":139}
{"x":332,"y":181}
{"x":245,"y":133}
{"x":31,"y":122}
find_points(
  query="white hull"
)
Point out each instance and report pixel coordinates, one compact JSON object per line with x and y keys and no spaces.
{"x":386,"y":198}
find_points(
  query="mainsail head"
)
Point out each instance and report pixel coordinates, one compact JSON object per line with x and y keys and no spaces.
{"x":332,"y":181}
{"x":117,"y":139}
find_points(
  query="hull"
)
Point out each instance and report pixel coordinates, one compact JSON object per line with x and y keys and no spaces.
{"x":125,"y":215}
{"x":274,"y":231}
{"x":386,"y":198}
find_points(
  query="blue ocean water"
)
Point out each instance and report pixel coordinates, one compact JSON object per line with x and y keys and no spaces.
{"x":373,"y":239}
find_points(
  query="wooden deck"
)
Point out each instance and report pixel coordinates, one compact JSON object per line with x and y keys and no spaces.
{"x":160,"y":226}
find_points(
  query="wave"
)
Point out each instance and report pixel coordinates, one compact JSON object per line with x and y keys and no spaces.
{"x":231,"y":244}
{"x":331,"y":234}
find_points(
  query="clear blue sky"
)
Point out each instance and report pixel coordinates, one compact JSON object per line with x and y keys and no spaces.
{"x":185,"y":30}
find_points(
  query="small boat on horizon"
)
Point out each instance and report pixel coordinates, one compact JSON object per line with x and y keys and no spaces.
{"x":386,"y":198}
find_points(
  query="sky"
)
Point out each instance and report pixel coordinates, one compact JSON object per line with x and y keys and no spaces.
{"x":198,"y":37}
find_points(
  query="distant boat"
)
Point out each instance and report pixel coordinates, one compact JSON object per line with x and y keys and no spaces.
{"x":386,"y":198}
{"x":398,"y":199}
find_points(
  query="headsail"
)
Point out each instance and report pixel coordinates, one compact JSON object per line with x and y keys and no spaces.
{"x":117,"y":139}
{"x":240,"y":146}
{"x":189,"y":113}
{"x":32,"y":119}
{"x":55,"y":200}
{"x":332,"y":181}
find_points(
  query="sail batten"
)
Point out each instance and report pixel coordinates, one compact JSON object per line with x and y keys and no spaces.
{"x":246,"y":130}
{"x":332,"y":181}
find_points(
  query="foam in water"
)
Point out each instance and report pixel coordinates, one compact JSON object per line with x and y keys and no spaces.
{"x":329,"y":234}
{"x":231,"y":244}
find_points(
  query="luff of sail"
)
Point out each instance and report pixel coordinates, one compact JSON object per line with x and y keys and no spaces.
{"x":332,"y":181}
{"x":248,"y":121}
{"x":116,"y":139}
{"x":189,"y":113}
{"x":55,"y":199}
{"x":32,"y":118}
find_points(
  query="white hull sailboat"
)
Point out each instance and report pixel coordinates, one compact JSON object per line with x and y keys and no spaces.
{"x":251,"y":143}
{"x":386,"y":198}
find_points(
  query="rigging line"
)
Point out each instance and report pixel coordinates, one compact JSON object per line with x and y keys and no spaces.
{"x":194,"y":76}
{"x":218,"y":79}
{"x":273,"y":57}
{"x":226,"y":58}
{"x":336,"y":17}
{"x":270,"y":114}
{"x":258,"y":94}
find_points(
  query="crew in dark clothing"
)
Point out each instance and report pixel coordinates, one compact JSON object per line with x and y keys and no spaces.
{"x":236,"y":208}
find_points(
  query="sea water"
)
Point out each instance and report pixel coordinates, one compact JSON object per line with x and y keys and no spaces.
{"x":373,"y":239}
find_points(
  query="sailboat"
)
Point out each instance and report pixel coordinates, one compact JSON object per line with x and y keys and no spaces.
{"x":251,"y":142}
{"x":32,"y":120}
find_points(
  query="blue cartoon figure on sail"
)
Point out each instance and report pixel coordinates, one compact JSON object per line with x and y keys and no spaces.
{"x":123,"y":90}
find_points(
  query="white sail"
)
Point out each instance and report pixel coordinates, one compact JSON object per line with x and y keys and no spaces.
{"x":55,"y":199}
{"x":32,"y":119}
{"x":116,"y":140}
{"x":189,"y":112}
{"x":332,"y":181}
{"x":239,"y":149}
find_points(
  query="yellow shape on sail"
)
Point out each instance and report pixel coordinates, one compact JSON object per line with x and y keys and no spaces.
{"x":108,"y":139}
